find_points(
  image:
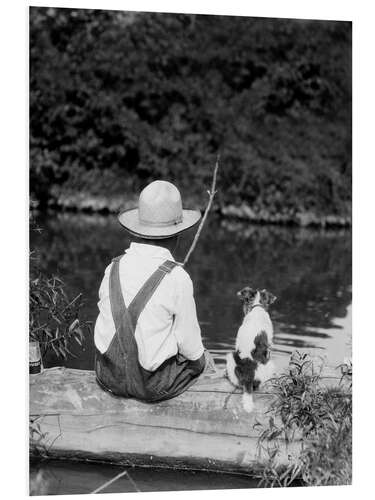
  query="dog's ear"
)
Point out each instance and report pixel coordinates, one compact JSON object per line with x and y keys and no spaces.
{"x":267,"y":298}
{"x":246,"y":293}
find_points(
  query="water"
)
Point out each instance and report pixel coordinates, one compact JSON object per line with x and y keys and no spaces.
{"x":308,"y":270}
{"x":68,"y":478}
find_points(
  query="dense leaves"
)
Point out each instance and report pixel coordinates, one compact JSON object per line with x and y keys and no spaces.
{"x":322,"y":417}
{"x":118,"y":99}
{"x":54,"y":318}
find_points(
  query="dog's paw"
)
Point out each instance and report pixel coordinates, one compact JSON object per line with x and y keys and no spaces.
{"x":247,"y":402}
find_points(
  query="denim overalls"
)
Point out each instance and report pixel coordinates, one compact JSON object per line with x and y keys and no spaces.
{"x":118,"y":369}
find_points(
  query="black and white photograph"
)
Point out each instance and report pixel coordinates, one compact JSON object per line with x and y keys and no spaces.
{"x":190,"y":251}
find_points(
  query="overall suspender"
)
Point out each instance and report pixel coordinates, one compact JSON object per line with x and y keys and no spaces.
{"x":125,"y":318}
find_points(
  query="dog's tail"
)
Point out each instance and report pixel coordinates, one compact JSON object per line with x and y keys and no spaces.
{"x":247,"y":396}
{"x":247,"y":401}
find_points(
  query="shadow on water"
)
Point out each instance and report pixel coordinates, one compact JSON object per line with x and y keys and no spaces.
{"x":308,"y":270}
{"x":67,"y":478}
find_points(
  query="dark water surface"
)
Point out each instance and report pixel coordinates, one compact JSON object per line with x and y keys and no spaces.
{"x":308,"y":270}
{"x":69,"y":478}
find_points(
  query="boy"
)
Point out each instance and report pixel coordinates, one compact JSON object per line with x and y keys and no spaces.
{"x":147,"y":337}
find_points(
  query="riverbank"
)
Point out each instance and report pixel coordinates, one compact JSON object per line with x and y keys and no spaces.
{"x":88,"y":203}
{"x":271,"y":96}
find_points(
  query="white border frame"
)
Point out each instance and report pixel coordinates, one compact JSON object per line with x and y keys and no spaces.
{"x":14,"y":225}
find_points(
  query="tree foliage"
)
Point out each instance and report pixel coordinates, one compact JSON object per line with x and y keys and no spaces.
{"x":121,"y":98}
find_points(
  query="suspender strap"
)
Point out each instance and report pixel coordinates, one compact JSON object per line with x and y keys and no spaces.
{"x":145,"y":293}
{"x":120,"y":313}
{"x":128,"y":316}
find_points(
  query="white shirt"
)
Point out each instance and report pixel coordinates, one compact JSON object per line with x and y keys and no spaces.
{"x":168,"y":324}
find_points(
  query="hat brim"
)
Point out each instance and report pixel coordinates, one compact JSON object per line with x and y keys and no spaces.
{"x":129,"y":219}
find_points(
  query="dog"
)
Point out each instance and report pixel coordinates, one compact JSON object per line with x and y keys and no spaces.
{"x":250,"y":365}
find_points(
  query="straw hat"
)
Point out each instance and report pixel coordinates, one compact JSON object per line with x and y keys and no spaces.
{"x":159,"y":213}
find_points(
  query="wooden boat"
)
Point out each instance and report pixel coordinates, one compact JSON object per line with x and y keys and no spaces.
{"x":205,"y":428}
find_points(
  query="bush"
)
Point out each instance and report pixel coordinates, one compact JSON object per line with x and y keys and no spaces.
{"x":54,"y":319}
{"x":120,"y":98}
{"x":321,"y":416}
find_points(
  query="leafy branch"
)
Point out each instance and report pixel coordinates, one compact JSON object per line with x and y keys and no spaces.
{"x":37,"y":437}
{"x":54,"y":319}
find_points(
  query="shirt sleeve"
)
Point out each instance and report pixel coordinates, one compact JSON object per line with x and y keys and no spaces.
{"x":186,"y":328}
{"x":104,"y":326}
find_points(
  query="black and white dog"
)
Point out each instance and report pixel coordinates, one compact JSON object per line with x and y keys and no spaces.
{"x":250,"y":365}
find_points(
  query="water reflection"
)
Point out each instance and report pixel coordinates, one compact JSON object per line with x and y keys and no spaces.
{"x":308,"y":270}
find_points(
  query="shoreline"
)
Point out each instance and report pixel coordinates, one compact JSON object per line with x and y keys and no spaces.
{"x":92,"y":204}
